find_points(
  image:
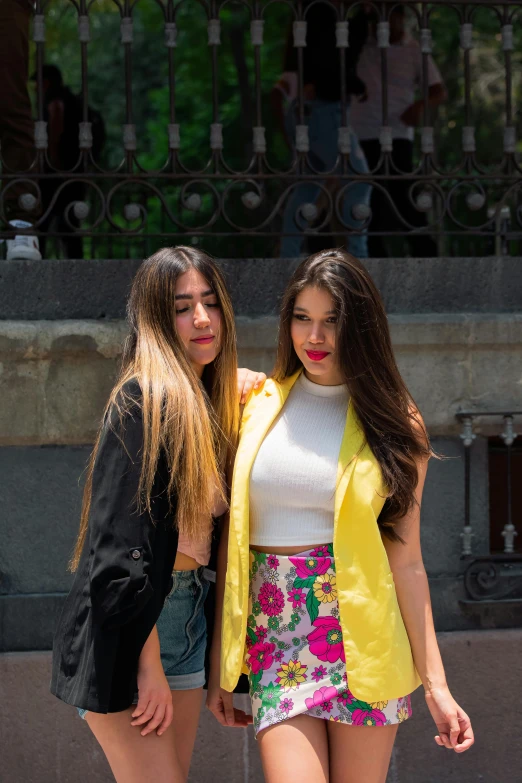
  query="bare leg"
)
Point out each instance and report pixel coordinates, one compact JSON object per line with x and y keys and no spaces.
{"x":296,"y":749}
{"x":187,"y":707}
{"x":359,"y":752}
{"x":133,"y":758}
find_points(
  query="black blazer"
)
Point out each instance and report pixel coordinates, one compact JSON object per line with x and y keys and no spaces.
{"x":123,"y":577}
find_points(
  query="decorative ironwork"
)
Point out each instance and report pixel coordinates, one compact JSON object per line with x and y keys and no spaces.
{"x":494,"y":578}
{"x":212,"y":189}
{"x":468,"y":436}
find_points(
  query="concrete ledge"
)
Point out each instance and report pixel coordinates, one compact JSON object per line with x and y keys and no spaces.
{"x":55,"y":376}
{"x":44,"y":742}
{"x":99,"y":288}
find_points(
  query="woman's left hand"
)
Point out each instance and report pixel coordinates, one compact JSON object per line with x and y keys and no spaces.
{"x":248,"y":380}
{"x":454,"y":726}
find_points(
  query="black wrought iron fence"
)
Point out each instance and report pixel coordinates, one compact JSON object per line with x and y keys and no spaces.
{"x":273,"y":126}
{"x":494,"y":574}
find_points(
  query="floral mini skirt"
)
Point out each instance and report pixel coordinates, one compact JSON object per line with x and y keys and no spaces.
{"x":295,"y":654}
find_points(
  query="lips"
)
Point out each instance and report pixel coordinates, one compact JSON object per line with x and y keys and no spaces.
{"x":204,"y":340}
{"x":317,"y":356}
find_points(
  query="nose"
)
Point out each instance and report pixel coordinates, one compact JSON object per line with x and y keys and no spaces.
{"x":316,"y":334}
{"x":201,"y":318}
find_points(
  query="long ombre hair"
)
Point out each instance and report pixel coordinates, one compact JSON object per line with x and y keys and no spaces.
{"x":193,"y":422}
{"x":386,"y":410}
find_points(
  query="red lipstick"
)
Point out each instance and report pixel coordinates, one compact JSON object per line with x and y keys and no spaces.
{"x":317,"y":356}
{"x":203,"y":340}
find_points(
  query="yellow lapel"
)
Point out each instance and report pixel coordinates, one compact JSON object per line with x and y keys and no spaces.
{"x":351,"y":445}
{"x":257,"y":421}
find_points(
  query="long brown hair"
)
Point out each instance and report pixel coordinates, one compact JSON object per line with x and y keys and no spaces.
{"x":193,"y":422}
{"x":392,"y":425}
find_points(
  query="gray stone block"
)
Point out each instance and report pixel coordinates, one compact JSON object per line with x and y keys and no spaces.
{"x":61,"y":289}
{"x":40,"y":498}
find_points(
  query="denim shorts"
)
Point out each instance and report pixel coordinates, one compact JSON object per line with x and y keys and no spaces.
{"x":182,"y":631}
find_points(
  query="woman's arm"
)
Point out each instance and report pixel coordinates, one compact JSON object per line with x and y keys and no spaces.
{"x":219,"y":701}
{"x":154,"y":706}
{"x":413,"y":594}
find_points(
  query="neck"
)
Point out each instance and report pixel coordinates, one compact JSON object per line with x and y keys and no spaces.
{"x":198,"y":369}
{"x":331,"y":379}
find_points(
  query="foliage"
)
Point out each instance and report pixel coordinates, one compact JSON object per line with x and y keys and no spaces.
{"x":194,"y":90}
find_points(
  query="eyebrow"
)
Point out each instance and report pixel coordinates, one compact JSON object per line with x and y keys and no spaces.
{"x":304,"y":310}
{"x":210,"y":292}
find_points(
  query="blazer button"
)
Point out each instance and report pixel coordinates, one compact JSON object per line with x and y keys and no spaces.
{"x":136,"y":554}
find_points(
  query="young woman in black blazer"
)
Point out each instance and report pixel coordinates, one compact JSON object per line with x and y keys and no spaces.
{"x":155,"y":481}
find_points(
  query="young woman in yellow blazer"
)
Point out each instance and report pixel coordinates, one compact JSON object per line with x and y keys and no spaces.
{"x":326,"y":603}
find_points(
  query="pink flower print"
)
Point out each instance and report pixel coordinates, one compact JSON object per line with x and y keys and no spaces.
{"x":272,"y":561}
{"x":318,"y":673}
{"x":261,"y":656}
{"x":345,"y":677}
{"x":286,"y":705}
{"x":296,"y":597}
{"x":261,"y":632}
{"x":346,"y":697}
{"x":322,"y":698}
{"x":310,"y":566}
{"x":271,"y":599}
{"x":279,"y":655}
{"x":320,"y":551}
{"x":368,"y":718}
{"x":326,"y":641}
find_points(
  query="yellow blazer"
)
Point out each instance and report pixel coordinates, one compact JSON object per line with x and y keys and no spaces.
{"x":379,"y":661}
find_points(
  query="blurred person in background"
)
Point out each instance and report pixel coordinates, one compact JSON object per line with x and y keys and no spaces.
{"x":322,"y":96}
{"x":405,"y":112}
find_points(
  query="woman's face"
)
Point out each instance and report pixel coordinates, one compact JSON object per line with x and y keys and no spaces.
{"x":198,"y":319}
{"x":314,"y":332}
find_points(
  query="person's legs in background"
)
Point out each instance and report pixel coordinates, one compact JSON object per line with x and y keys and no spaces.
{"x":379,"y":202}
{"x":324,"y":119}
{"x":357,"y":193}
{"x":16,"y":122}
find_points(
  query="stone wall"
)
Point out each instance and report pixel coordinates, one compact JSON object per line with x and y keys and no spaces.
{"x":457,"y":332}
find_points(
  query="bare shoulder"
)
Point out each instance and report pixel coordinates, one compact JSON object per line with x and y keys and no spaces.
{"x":420,"y":430}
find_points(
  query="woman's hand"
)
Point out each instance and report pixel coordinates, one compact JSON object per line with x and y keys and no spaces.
{"x":454,"y":726}
{"x":154,"y":708}
{"x":221,"y":705}
{"x":247,"y":380}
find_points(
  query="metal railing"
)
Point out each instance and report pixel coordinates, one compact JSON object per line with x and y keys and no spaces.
{"x":461,"y":199}
{"x":491,"y":575}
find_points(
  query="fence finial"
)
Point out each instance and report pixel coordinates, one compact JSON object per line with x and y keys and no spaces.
{"x":84,"y":30}
{"x":342,"y":35}
{"x":216,"y":136}
{"x":299,"y":29}
{"x":466,"y":36}
{"x":171,"y":35}
{"x":383,"y":35}
{"x":39,"y":28}
{"x":302,"y":142}
{"x":126,"y":29}
{"x":214,"y":32}
{"x":256,"y":31}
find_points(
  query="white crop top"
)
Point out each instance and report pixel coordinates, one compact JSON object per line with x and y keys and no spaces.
{"x":292,"y":483}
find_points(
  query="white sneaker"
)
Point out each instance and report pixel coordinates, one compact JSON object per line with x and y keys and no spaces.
{"x":24,"y":247}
